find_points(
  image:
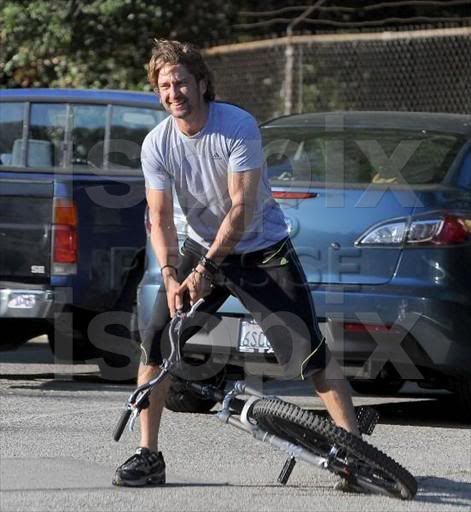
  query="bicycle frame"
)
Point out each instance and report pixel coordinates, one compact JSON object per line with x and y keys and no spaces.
{"x":139,"y":400}
{"x":244,"y":423}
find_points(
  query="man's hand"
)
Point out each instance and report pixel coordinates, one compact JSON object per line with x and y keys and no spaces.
{"x":172,"y":286}
{"x":198,"y":285}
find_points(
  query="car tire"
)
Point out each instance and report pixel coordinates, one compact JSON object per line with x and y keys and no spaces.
{"x":181,"y":399}
{"x":462,"y":390}
{"x":70,"y":342}
{"x":16,"y":332}
{"x":124,"y":365}
{"x":67,"y":336}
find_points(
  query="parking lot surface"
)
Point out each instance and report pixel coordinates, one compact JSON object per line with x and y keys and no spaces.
{"x":57,"y":451}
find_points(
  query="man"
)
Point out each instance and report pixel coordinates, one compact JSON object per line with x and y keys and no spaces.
{"x":211,"y":155}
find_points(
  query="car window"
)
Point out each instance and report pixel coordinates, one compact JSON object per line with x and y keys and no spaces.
{"x":464,"y":177}
{"x":88,"y":135}
{"x":358,"y":157}
{"x":46,"y":135}
{"x":11,"y":128}
{"x":129,"y":126}
{"x":63,"y":135}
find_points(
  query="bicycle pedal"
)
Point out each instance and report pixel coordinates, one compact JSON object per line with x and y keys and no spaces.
{"x":288,"y":467}
{"x":367,"y":418}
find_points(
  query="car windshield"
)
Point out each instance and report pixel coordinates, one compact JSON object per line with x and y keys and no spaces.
{"x":303,"y":156}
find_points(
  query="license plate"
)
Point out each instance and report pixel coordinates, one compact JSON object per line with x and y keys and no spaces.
{"x":252,"y":339}
{"x":22,"y":301}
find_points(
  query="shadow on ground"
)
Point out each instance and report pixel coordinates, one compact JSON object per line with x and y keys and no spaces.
{"x":443,"y":491}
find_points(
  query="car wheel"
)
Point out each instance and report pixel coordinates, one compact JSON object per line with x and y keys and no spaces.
{"x":122,"y":365}
{"x":16,"y":332}
{"x":117,"y":357}
{"x":181,"y":399}
{"x":462,"y":390}
{"x":67,"y":336}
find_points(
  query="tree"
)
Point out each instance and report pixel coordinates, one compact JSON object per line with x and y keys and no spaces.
{"x":98,"y":43}
{"x":106,"y":43}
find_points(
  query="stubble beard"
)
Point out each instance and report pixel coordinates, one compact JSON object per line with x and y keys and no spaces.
{"x":182,"y":111}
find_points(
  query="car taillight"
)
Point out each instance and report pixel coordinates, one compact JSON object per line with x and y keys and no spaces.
{"x":65,"y":240}
{"x":454,"y":230}
{"x":283,"y":194}
{"x":353,"y":327}
{"x":443,"y":229}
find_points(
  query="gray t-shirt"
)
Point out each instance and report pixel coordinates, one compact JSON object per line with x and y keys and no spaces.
{"x":197,"y":168}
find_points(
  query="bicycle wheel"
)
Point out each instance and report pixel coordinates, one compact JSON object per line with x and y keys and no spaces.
{"x":361,"y":464}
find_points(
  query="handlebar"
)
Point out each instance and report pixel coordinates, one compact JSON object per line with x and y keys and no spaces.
{"x":139,"y":399}
{"x":192,"y":311}
{"x":174,"y":330}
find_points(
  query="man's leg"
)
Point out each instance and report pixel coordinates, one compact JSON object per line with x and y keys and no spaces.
{"x":334,"y":391}
{"x":279,"y":298}
{"x":147,"y":465}
{"x":150,"y":417}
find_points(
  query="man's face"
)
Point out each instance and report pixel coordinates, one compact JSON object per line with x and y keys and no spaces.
{"x":180,"y":93}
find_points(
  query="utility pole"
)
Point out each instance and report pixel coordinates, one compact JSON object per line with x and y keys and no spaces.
{"x":289,"y":56}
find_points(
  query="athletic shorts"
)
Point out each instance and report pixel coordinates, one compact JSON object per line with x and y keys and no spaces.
{"x":271,"y":285}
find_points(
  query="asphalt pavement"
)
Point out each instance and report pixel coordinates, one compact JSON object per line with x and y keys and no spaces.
{"x":57,"y":451}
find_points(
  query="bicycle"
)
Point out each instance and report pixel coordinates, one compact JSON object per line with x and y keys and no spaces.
{"x":302,"y":434}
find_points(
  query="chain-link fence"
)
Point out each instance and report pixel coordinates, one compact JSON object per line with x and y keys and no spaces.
{"x":415,"y":70}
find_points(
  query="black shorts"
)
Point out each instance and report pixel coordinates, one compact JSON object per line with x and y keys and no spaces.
{"x":271,"y":285}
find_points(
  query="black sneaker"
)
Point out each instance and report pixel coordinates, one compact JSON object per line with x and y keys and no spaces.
{"x":145,"y":467}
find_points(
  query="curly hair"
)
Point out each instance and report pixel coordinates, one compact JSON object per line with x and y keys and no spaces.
{"x":174,"y":52}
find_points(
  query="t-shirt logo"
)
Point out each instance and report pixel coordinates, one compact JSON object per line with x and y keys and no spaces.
{"x":216,"y":156}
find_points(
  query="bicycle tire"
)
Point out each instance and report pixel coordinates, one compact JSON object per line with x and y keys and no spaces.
{"x":121,"y":425}
{"x":360,"y":463}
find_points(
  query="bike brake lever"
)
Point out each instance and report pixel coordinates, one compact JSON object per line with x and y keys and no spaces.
{"x":191,"y":312}
{"x":142,"y":402}
{"x":134,"y":415}
{"x":175,"y":328}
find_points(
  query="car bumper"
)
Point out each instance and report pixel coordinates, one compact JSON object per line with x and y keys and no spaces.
{"x":431,"y":328}
{"x":366,"y":328}
{"x":26,"y":303}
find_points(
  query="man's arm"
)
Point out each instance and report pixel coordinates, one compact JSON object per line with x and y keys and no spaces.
{"x":243,"y":187}
{"x":163,"y":235}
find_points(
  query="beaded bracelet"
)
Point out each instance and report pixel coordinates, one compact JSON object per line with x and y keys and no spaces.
{"x":205,"y":275}
{"x":209,"y":264}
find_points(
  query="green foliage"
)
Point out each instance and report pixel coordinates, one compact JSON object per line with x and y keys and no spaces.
{"x":98,"y":43}
{"x":107,"y":43}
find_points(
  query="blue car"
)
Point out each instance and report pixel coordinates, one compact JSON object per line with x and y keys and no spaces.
{"x":379,"y":209}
